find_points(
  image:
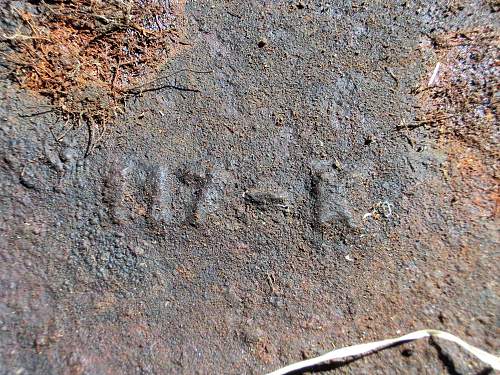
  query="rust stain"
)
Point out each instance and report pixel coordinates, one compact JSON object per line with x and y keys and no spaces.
{"x":459,"y":108}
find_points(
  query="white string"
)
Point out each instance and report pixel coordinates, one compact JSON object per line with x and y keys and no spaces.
{"x":368,"y":348}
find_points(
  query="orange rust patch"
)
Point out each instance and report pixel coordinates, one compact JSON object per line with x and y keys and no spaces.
{"x":186,"y":273}
{"x":264,"y":350}
{"x":460,"y":107}
{"x":474,"y":181}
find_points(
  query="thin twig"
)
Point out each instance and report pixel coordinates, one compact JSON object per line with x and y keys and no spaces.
{"x":168,"y":86}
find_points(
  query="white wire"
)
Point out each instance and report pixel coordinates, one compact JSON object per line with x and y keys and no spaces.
{"x":368,"y":348}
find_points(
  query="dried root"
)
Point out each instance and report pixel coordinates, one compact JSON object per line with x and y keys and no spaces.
{"x":87,"y":56}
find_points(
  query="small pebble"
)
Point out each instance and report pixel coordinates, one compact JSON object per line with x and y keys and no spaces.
{"x":139,"y":251}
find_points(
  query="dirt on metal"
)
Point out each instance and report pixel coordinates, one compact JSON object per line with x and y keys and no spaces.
{"x":298,"y":176}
